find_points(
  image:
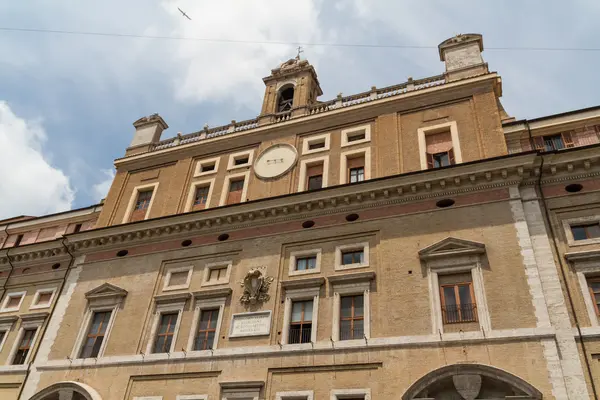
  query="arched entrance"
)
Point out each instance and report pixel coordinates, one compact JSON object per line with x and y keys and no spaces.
{"x":470,"y":382}
{"x":67,"y":391}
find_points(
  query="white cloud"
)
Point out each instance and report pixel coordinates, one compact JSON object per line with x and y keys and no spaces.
{"x":218,"y":71}
{"x":29,"y":184}
{"x":100,"y":189}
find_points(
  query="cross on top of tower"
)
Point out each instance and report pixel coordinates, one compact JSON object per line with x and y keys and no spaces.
{"x":300,"y":50}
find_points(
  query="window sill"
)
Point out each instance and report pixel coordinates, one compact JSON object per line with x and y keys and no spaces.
{"x":177,"y":287}
{"x":39,"y":307}
{"x":8,"y":310}
{"x":319,"y":150}
{"x":305,"y":272}
{"x":234,"y":167}
{"x":361,"y":141}
{"x":350,"y":266}
{"x":217,"y":283}
{"x":205,"y":173}
{"x":577,"y":243}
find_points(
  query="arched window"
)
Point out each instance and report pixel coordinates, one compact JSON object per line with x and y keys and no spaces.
{"x":286,"y":99}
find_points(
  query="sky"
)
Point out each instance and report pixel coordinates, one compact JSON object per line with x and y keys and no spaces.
{"x":67,"y":102}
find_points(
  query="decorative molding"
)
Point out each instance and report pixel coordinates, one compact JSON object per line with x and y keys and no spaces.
{"x":210,"y":293}
{"x":256,"y":287}
{"x":106,"y":291}
{"x":302,"y":283}
{"x":351,"y":278}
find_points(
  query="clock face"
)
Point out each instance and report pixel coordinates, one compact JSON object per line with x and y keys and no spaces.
{"x":275,"y":161}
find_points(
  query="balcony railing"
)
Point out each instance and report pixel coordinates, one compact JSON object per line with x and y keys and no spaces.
{"x":300,"y":333}
{"x":454,"y":314}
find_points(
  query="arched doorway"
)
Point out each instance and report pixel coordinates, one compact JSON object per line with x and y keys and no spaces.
{"x":470,"y":382}
{"x":67,"y":391}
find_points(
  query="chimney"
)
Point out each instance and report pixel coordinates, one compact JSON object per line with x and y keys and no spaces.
{"x":462,"y":55}
{"x":147,"y":133}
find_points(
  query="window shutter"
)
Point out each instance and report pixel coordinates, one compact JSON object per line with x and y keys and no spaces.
{"x":356,"y":162}
{"x":526,"y":145}
{"x":451,"y":157}
{"x":538,"y":142}
{"x":314,"y":170}
{"x":429,"y":160}
{"x":568,"y":140}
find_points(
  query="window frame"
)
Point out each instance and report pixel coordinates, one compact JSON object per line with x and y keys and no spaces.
{"x":344,"y":156}
{"x":216,"y":265}
{"x":37,"y":295}
{"x":104,"y":337}
{"x":28,"y":322}
{"x":234,"y":156}
{"x":191,"y":397}
{"x":307,"y":141}
{"x":587,"y":220}
{"x":341,"y":394}
{"x":198,"y":170}
{"x":189,"y":204}
{"x":133,"y":198}
{"x":309,"y":162}
{"x":5,"y":309}
{"x":431,"y":130}
{"x":227,"y":184}
{"x":203,"y":304}
{"x":353,"y":317}
{"x":351,"y":289}
{"x":457,"y":296}
{"x":168,"y":307}
{"x":349,"y":131}
{"x":294,"y":255}
{"x":189,"y":269}
{"x":295,"y":395}
{"x":6,"y":324}
{"x":339,"y":250}
{"x":304,"y":293}
{"x":594,"y":303}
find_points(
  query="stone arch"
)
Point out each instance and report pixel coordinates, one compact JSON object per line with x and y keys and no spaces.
{"x":68,"y":391}
{"x":285,"y":97}
{"x":470,"y":382}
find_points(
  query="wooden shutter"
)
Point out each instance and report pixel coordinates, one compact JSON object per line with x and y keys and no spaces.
{"x":525,"y":145}
{"x":235,"y":192}
{"x":356,"y":162}
{"x":451,"y":157}
{"x":538,"y":142}
{"x":314,"y":170}
{"x":568,"y":140}
{"x":429,"y":160}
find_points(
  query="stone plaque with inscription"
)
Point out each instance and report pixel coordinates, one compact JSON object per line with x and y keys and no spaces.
{"x":250,"y":324}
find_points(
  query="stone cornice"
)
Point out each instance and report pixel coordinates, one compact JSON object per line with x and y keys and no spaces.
{"x":303,"y":283}
{"x":211,"y":293}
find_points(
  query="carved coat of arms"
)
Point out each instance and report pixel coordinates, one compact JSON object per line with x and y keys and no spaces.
{"x":256,"y":287}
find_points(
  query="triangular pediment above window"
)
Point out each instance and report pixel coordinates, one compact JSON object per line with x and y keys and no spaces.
{"x":451,"y":247}
{"x":106,"y":290}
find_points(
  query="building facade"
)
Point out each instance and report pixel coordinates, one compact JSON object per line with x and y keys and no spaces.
{"x":411,"y":242}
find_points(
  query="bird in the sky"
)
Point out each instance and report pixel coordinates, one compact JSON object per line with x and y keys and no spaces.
{"x":183,"y":13}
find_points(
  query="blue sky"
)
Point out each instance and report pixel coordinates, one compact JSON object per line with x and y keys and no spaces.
{"x":67,"y":102}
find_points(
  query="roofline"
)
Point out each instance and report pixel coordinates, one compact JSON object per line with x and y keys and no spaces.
{"x":35,"y":220}
{"x":564,"y":114}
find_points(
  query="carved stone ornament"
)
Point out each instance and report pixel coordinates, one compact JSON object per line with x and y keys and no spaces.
{"x":256,"y":287}
{"x":468,"y":386}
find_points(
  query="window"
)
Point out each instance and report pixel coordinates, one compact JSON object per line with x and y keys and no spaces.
{"x":594,"y":287}
{"x":301,"y":322}
{"x":200,"y":198}
{"x":18,"y":240}
{"x":240,"y":161}
{"x":95,"y":335}
{"x":216,"y":273}
{"x":305,"y":263}
{"x":439,"y":160}
{"x":553,"y":142}
{"x":141,"y":205}
{"x":207,"y":328}
{"x":458,"y":300}
{"x":2,"y":337}
{"x":356,"y":135}
{"x":77,"y":228}
{"x":286,"y":99}
{"x":25,"y":345}
{"x":42,"y":298}
{"x":314,"y":176}
{"x":235,"y":191}
{"x":316,"y":145}
{"x":164,"y":335}
{"x":351,"y":394}
{"x":587,"y":231}
{"x":439,"y":149}
{"x":352,"y":317}
{"x":353,"y":257}
{"x":178,"y":278}
{"x":207,"y":166}
{"x":12,"y":301}
{"x":296,"y":395}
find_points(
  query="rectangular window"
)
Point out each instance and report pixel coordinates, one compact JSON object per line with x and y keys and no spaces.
{"x":178,"y":278}
{"x":207,"y":327}
{"x":141,"y":205}
{"x":43,"y":299}
{"x":439,"y":150}
{"x":554,"y":142}
{"x":458,"y":300}
{"x":200,"y":198}
{"x":316,"y":145}
{"x":235,"y":191}
{"x":13,"y":302}
{"x":301,"y":322}
{"x":241,"y":160}
{"x":314,"y":177}
{"x":353,"y":257}
{"x":356,"y":136}
{"x":18,"y":241}
{"x":217,"y":274}
{"x":352,"y":317}
{"x":95,"y":335}
{"x":24,"y":346}
{"x":594,"y":286}
{"x":583,"y":232}
{"x":304,"y":263}
{"x":165,"y":332}
{"x":356,"y":169}
{"x":77,"y":228}
{"x":207,"y":167}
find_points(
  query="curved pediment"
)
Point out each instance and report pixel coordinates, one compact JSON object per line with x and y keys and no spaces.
{"x":450,"y":247}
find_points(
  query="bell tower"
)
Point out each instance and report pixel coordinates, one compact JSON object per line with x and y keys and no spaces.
{"x":292,"y":86}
